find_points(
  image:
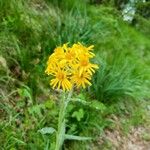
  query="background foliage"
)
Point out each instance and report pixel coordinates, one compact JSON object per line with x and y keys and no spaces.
{"x":31,"y":29}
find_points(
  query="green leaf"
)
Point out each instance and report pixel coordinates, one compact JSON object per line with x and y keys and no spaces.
{"x":80,"y":101}
{"x":74,"y":137}
{"x":47,"y":146}
{"x":49,"y":104}
{"x":94,"y":104}
{"x":18,"y":141}
{"x":3,"y":62}
{"x":78,"y":114}
{"x":36,"y":109}
{"x":98,"y":105}
{"x":82,"y":96}
{"x":25,"y":92}
{"x":47,"y":130}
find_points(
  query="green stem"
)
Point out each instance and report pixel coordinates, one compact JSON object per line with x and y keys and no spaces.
{"x":60,"y":137}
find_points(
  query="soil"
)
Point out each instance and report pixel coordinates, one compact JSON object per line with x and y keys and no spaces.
{"x":137,"y":139}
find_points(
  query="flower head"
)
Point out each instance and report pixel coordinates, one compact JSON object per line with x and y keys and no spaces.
{"x":85,"y":65}
{"x":70,"y":66}
{"x":81,"y":80}
{"x":60,"y":80}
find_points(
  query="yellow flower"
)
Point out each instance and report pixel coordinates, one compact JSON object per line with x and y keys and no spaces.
{"x":52,"y":67}
{"x":69,"y":57}
{"x":61,"y":80}
{"x":85,"y":65}
{"x":80,"y":50}
{"x":59,"y":51}
{"x":70,"y":66}
{"x":81,"y":80}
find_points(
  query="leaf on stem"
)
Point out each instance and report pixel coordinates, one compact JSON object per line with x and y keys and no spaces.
{"x":47,"y":130}
{"x":74,"y":137}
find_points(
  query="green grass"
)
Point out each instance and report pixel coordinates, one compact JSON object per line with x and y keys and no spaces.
{"x":29,"y":31}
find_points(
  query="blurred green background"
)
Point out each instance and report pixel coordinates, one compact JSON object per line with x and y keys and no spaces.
{"x":31,"y":29}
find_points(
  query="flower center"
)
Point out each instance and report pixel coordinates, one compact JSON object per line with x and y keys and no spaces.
{"x":60,"y":76}
{"x":84,"y":62}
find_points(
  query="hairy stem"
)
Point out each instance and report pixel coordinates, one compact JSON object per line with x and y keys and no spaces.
{"x":60,"y":137}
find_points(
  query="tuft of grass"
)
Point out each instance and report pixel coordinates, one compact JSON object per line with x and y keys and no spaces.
{"x":72,"y":27}
{"x":115,"y":81}
{"x":123,"y":56}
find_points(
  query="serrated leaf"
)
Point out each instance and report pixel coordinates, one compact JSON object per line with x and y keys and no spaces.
{"x":74,"y":137}
{"x":47,"y":130}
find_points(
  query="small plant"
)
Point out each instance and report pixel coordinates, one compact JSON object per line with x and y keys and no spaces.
{"x":114,"y":82}
{"x":70,"y":68}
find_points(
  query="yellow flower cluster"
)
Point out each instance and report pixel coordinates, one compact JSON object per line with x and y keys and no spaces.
{"x":71,"y":66}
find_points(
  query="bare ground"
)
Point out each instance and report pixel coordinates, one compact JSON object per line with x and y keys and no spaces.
{"x":137,"y":139}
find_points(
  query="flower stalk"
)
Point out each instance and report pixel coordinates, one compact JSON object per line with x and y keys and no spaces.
{"x":60,"y":136}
